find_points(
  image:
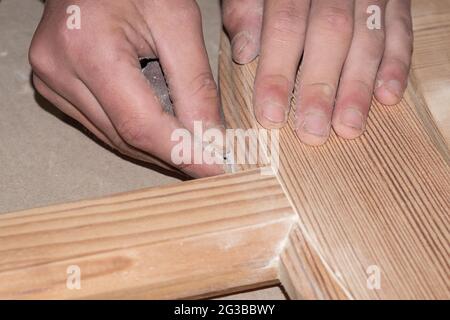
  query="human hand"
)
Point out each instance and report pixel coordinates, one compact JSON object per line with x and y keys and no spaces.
{"x":93,"y":73}
{"x":344,"y":62}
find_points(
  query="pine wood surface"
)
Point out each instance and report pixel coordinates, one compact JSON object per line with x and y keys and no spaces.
{"x":195,"y":239}
{"x":381,"y":200}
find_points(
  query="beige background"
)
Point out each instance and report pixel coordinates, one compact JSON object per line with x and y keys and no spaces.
{"x":46,"y":158}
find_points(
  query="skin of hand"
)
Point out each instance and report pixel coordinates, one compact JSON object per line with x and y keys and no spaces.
{"x":93,"y":73}
{"x":344,"y":62}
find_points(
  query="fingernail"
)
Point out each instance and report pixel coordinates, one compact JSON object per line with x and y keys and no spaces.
{"x":317,"y":124}
{"x":353,"y":118}
{"x":275,"y":113}
{"x":242,"y":47}
{"x":395,"y":87}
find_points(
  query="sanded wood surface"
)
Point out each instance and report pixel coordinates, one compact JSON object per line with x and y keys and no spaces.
{"x":193,"y":239}
{"x":381,"y":201}
{"x":431,"y":59}
{"x":304,"y":274}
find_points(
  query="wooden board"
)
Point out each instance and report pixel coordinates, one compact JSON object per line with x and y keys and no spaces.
{"x":381,"y":201}
{"x":431,"y":59}
{"x":193,"y":239}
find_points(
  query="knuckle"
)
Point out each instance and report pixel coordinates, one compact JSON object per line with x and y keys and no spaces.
{"x":290,"y":12}
{"x":188,"y":11}
{"x":398,"y":66}
{"x":232,"y":13}
{"x":133,"y":131}
{"x":373,"y":40}
{"x":403,"y":25}
{"x":238,"y":13}
{"x":49,"y":48}
{"x":277,"y":86}
{"x":279,"y":81}
{"x":337,"y":19}
{"x":319,"y":94}
{"x":39,"y":57}
{"x":289,"y":20}
{"x":377,"y":37}
{"x":363,"y":85}
{"x":204,"y":86}
{"x":374,"y":56}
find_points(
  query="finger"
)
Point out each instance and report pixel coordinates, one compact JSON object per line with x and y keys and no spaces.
{"x":123,"y":92}
{"x":327,"y":43}
{"x":66,"y":89}
{"x":186,"y":66}
{"x":282,"y":39}
{"x":392,"y":76}
{"x":358,"y":77}
{"x":67,"y":108}
{"x":111,"y":138}
{"x":242,"y":21}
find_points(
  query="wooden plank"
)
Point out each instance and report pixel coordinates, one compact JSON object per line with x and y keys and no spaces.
{"x":304,"y":274}
{"x":380,"y":202}
{"x":431,"y":62}
{"x":193,"y":239}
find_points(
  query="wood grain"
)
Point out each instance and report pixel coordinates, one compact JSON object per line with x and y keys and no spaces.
{"x":194,"y":239}
{"x":381,"y":200}
{"x":431,"y":63}
{"x":304,"y":274}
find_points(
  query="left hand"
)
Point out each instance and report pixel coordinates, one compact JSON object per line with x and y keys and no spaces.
{"x":344,"y":62}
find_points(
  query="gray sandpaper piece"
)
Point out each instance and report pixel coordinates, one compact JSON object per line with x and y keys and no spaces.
{"x":154,"y":74}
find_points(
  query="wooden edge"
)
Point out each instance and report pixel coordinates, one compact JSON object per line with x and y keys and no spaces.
{"x":430,"y":67}
{"x":195,"y":239}
{"x":304,"y":274}
{"x":415,"y":99}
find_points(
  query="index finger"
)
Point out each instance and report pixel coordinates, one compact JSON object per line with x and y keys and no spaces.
{"x":185,"y":62}
{"x":123,"y":92}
